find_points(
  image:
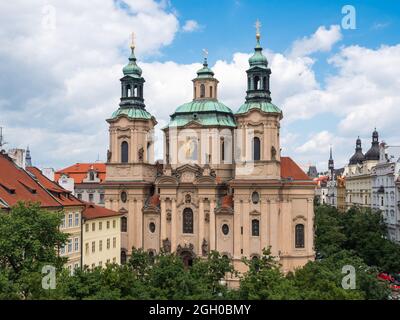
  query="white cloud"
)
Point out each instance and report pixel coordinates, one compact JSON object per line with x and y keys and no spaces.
{"x":191,"y":26}
{"x":322,"y":40}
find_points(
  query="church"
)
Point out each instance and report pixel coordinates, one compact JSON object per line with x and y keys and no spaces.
{"x":222,"y":184}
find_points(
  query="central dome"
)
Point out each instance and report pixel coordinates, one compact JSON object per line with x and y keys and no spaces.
{"x":205,"y":109}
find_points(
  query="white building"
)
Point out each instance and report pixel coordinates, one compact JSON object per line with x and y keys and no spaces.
{"x":385,"y":191}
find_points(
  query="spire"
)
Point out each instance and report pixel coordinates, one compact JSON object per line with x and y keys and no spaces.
{"x":330,"y":153}
{"x":330,"y":162}
{"x":28,"y":159}
{"x":205,"y":72}
{"x":132,"y":68}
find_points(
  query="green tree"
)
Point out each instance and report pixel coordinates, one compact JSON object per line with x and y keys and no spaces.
{"x":29,"y":237}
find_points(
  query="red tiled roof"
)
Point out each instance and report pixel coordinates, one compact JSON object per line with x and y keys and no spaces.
{"x":290,"y":170}
{"x":92,"y":211}
{"x":17,"y":184}
{"x":63,"y":196}
{"x":79,"y":171}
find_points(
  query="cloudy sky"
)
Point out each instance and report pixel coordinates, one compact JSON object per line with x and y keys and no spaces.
{"x":61,"y":63}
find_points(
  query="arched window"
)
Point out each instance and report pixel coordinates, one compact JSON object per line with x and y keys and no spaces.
{"x":202,"y":91}
{"x":248,"y":83}
{"x":255,"y":228}
{"x":299,"y":236}
{"x":265,"y":83}
{"x":123,"y":257}
{"x":124,"y":151}
{"x":256,"y":83}
{"x":256,"y":149}
{"x":124,"y":224}
{"x":128,"y":89}
{"x":187,"y":220}
{"x":211,"y":91}
{"x":135,"y":91}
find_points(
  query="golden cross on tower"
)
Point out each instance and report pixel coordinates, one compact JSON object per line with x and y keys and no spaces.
{"x":133,"y":40}
{"x":205,"y":53}
{"x":258,"y":26}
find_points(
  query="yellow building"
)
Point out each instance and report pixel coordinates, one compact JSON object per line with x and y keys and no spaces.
{"x":101,"y":236}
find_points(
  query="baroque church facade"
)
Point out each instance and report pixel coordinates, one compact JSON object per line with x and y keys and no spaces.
{"x":222,"y":184}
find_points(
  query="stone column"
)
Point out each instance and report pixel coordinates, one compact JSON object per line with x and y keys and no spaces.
{"x":163,"y":221}
{"x":263,"y":225}
{"x":274,"y":228}
{"x":237,"y":230}
{"x":266,"y":145}
{"x":246,"y":228}
{"x":174,"y":220}
{"x":201,"y":225}
{"x":310,"y":227}
{"x":212,"y":225}
{"x":139,"y":225}
{"x":134,"y":146}
{"x":116,"y":157}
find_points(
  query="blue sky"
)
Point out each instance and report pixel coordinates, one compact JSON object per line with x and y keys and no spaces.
{"x":332,"y":84}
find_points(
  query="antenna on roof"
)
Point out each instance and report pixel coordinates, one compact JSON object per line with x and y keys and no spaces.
{"x":2,"y":142}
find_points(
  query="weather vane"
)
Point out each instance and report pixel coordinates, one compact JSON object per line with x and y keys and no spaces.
{"x":133,"y":40}
{"x":205,"y":53}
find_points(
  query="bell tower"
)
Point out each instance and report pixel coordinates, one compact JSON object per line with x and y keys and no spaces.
{"x":257,"y":144}
{"x":130,"y":169}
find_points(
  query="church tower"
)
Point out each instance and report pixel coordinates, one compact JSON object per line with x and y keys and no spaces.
{"x":258,"y":121}
{"x":331,"y":165}
{"x":129,"y":169}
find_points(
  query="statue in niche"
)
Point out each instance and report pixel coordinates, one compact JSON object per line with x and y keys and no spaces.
{"x":273,"y":153}
{"x":207,"y":216}
{"x":169,"y":214}
{"x":140,"y":154}
{"x":109,"y":154}
{"x":204,"y":248}
{"x":188,"y":198}
{"x":167,"y":245}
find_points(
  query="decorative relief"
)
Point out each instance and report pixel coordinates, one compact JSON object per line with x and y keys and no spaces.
{"x":207,"y":215}
{"x":187,"y":177}
{"x":169,"y":214}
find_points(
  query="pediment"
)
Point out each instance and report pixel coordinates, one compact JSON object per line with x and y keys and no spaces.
{"x":167,"y":180}
{"x":192,"y":124}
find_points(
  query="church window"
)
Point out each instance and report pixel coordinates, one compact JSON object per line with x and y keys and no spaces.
{"x":152,"y":227}
{"x":124,"y":152}
{"x":124,"y":224}
{"x":91,"y":175}
{"x":123,"y":257}
{"x":211,"y":91}
{"x":255,"y":228}
{"x":187,"y":220}
{"x":124,"y":196}
{"x":135,"y":91}
{"x":255,"y":197}
{"x":265,"y":83}
{"x":202,"y":91}
{"x":299,"y":236}
{"x":256,"y":149}
{"x":225,"y":229}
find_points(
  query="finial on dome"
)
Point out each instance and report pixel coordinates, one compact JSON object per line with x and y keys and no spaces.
{"x":258,"y":26}
{"x":205,"y":56}
{"x":132,"y":41}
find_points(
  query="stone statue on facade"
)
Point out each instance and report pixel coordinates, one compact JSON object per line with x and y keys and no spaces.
{"x":109,"y":154}
{"x":167,"y":245}
{"x":204,"y":248}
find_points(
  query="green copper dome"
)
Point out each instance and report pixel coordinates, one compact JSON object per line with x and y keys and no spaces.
{"x":258,"y":59}
{"x":132,"y":113}
{"x":132,"y":69}
{"x":204,"y":112}
{"x":205,"y":72}
{"x":264,"y":106}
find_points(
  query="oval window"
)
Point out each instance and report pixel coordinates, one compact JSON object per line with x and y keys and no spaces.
{"x":124,"y":196}
{"x":255,"y":197}
{"x":152,"y":227}
{"x":225,"y":229}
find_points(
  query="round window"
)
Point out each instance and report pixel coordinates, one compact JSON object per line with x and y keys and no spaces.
{"x":152,"y":227}
{"x":255,"y":197}
{"x":225,"y":229}
{"x":124,"y":196}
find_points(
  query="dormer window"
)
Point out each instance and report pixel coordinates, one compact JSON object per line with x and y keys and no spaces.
{"x":91,"y":175}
